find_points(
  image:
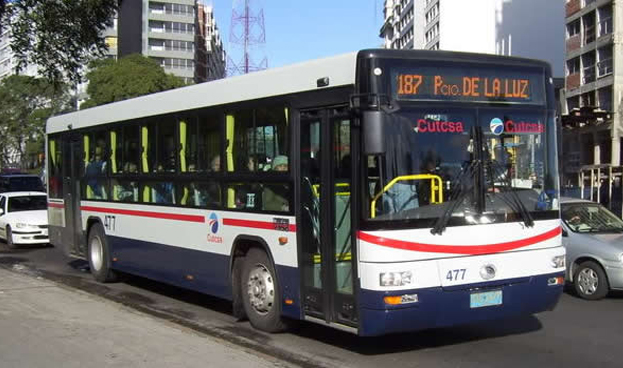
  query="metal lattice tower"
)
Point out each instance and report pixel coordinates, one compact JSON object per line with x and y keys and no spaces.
{"x":246,"y":33}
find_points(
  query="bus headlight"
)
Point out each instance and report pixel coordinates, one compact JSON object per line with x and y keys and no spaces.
{"x":396,"y":278}
{"x":558,"y":261}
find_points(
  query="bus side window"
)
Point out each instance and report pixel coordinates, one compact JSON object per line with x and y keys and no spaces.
{"x":199,"y":194}
{"x":55,"y":169}
{"x":200,"y":143}
{"x":96,"y":164}
{"x":256,"y":138}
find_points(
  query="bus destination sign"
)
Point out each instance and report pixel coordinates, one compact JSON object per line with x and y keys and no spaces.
{"x":470,"y":84}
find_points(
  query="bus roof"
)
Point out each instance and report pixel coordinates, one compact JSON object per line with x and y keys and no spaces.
{"x":267,"y":83}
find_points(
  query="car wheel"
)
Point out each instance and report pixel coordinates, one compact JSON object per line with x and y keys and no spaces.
{"x":9,"y":238}
{"x":260,"y":292}
{"x":590,"y":281}
{"x":99,"y":255}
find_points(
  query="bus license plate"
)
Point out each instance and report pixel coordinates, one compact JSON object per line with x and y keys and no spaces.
{"x":486,"y":299}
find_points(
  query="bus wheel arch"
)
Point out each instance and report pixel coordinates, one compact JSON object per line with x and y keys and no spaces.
{"x":98,"y":252}
{"x":253,"y":268}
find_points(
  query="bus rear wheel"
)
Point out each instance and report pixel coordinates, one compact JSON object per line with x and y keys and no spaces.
{"x":99,"y":255}
{"x":260,"y":292}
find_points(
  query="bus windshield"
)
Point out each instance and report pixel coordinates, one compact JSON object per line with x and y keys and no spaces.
{"x":431,"y":160}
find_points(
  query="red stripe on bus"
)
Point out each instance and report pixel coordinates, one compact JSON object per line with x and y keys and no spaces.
{"x":255,"y":224}
{"x":459,"y":249}
{"x":56,"y":205}
{"x":159,"y":215}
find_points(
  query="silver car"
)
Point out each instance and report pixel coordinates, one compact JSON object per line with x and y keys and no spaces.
{"x":593,"y":237}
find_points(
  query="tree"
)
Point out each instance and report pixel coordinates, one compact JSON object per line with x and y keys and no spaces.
{"x":131,"y":76}
{"x":26,"y":103}
{"x":60,"y":37}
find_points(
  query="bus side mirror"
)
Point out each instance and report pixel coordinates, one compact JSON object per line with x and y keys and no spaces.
{"x":373,"y":132}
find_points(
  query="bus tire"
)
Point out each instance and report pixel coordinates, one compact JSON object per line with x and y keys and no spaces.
{"x":260,"y":292}
{"x":590,"y":281}
{"x":99,"y":255}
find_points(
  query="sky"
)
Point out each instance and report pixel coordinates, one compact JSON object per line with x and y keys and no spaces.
{"x":300,"y":30}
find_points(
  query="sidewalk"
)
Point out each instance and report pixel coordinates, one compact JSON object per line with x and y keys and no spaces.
{"x":46,"y":325}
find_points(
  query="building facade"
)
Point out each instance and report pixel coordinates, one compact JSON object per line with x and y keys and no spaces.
{"x":211,"y":54}
{"x":591,"y":120}
{"x":174,"y":33}
{"x":7,"y":58}
{"x":502,"y":27}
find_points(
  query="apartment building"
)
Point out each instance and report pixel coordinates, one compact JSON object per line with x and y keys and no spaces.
{"x":172,"y":33}
{"x":591,"y":122}
{"x":527,"y":28}
{"x":8,"y":62}
{"x":211,"y":54}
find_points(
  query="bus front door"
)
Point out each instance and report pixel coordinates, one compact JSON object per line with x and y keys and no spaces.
{"x":327,"y":258}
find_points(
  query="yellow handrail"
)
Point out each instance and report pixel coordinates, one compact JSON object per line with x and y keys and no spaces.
{"x":436,"y":186}
{"x":316,"y":189}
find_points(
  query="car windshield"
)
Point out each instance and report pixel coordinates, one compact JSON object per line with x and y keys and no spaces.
{"x":431,"y":161}
{"x":27,"y":203}
{"x":590,"y":218}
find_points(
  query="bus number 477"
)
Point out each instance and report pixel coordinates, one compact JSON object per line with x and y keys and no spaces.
{"x":456,"y":275}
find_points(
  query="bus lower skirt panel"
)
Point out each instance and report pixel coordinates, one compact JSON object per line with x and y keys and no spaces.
{"x":200,"y":271}
{"x":437,"y":308}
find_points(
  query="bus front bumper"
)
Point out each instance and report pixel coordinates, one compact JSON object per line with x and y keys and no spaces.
{"x":441,"y":307}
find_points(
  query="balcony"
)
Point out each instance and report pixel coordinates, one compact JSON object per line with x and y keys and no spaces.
{"x":604,"y":68}
{"x":573,"y":81}
{"x":572,"y":7}
{"x":573,"y":43}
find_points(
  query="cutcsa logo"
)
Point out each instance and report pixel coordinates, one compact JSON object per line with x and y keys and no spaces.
{"x":213,"y":226}
{"x":213,"y":223}
{"x":497,"y":126}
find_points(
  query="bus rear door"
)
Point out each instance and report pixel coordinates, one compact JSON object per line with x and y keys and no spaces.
{"x":72,"y":238}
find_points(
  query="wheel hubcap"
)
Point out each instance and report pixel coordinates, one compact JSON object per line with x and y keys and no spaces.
{"x":261,"y":289}
{"x":96,"y":253}
{"x":588,"y":281}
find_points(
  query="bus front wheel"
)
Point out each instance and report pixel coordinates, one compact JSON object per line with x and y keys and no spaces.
{"x":260,"y":292}
{"x":99,"y":255}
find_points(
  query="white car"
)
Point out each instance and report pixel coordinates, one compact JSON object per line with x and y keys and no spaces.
{"x":24,"y":218}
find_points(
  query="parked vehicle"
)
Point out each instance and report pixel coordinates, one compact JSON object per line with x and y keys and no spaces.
{"x":24,"y":218}
{"x":593,"y":237}
{"x":20,"y":183}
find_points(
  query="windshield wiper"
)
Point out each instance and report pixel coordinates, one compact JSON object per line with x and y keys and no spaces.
{"x":457,"y":197}
{"x":515,"y":203}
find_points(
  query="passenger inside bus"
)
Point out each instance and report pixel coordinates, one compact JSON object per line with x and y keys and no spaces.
{"x":424,"y":186}
{"x":275,"y":197}
{"x":94,"y":170}
{"x":215,"y":164}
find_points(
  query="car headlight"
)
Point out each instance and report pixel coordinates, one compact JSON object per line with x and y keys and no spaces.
{"x":21,"y":225}
{"x":558,"y":261}
{"x":395,"y":278}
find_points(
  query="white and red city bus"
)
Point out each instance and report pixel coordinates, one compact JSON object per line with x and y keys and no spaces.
{"x":374,"y":192}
